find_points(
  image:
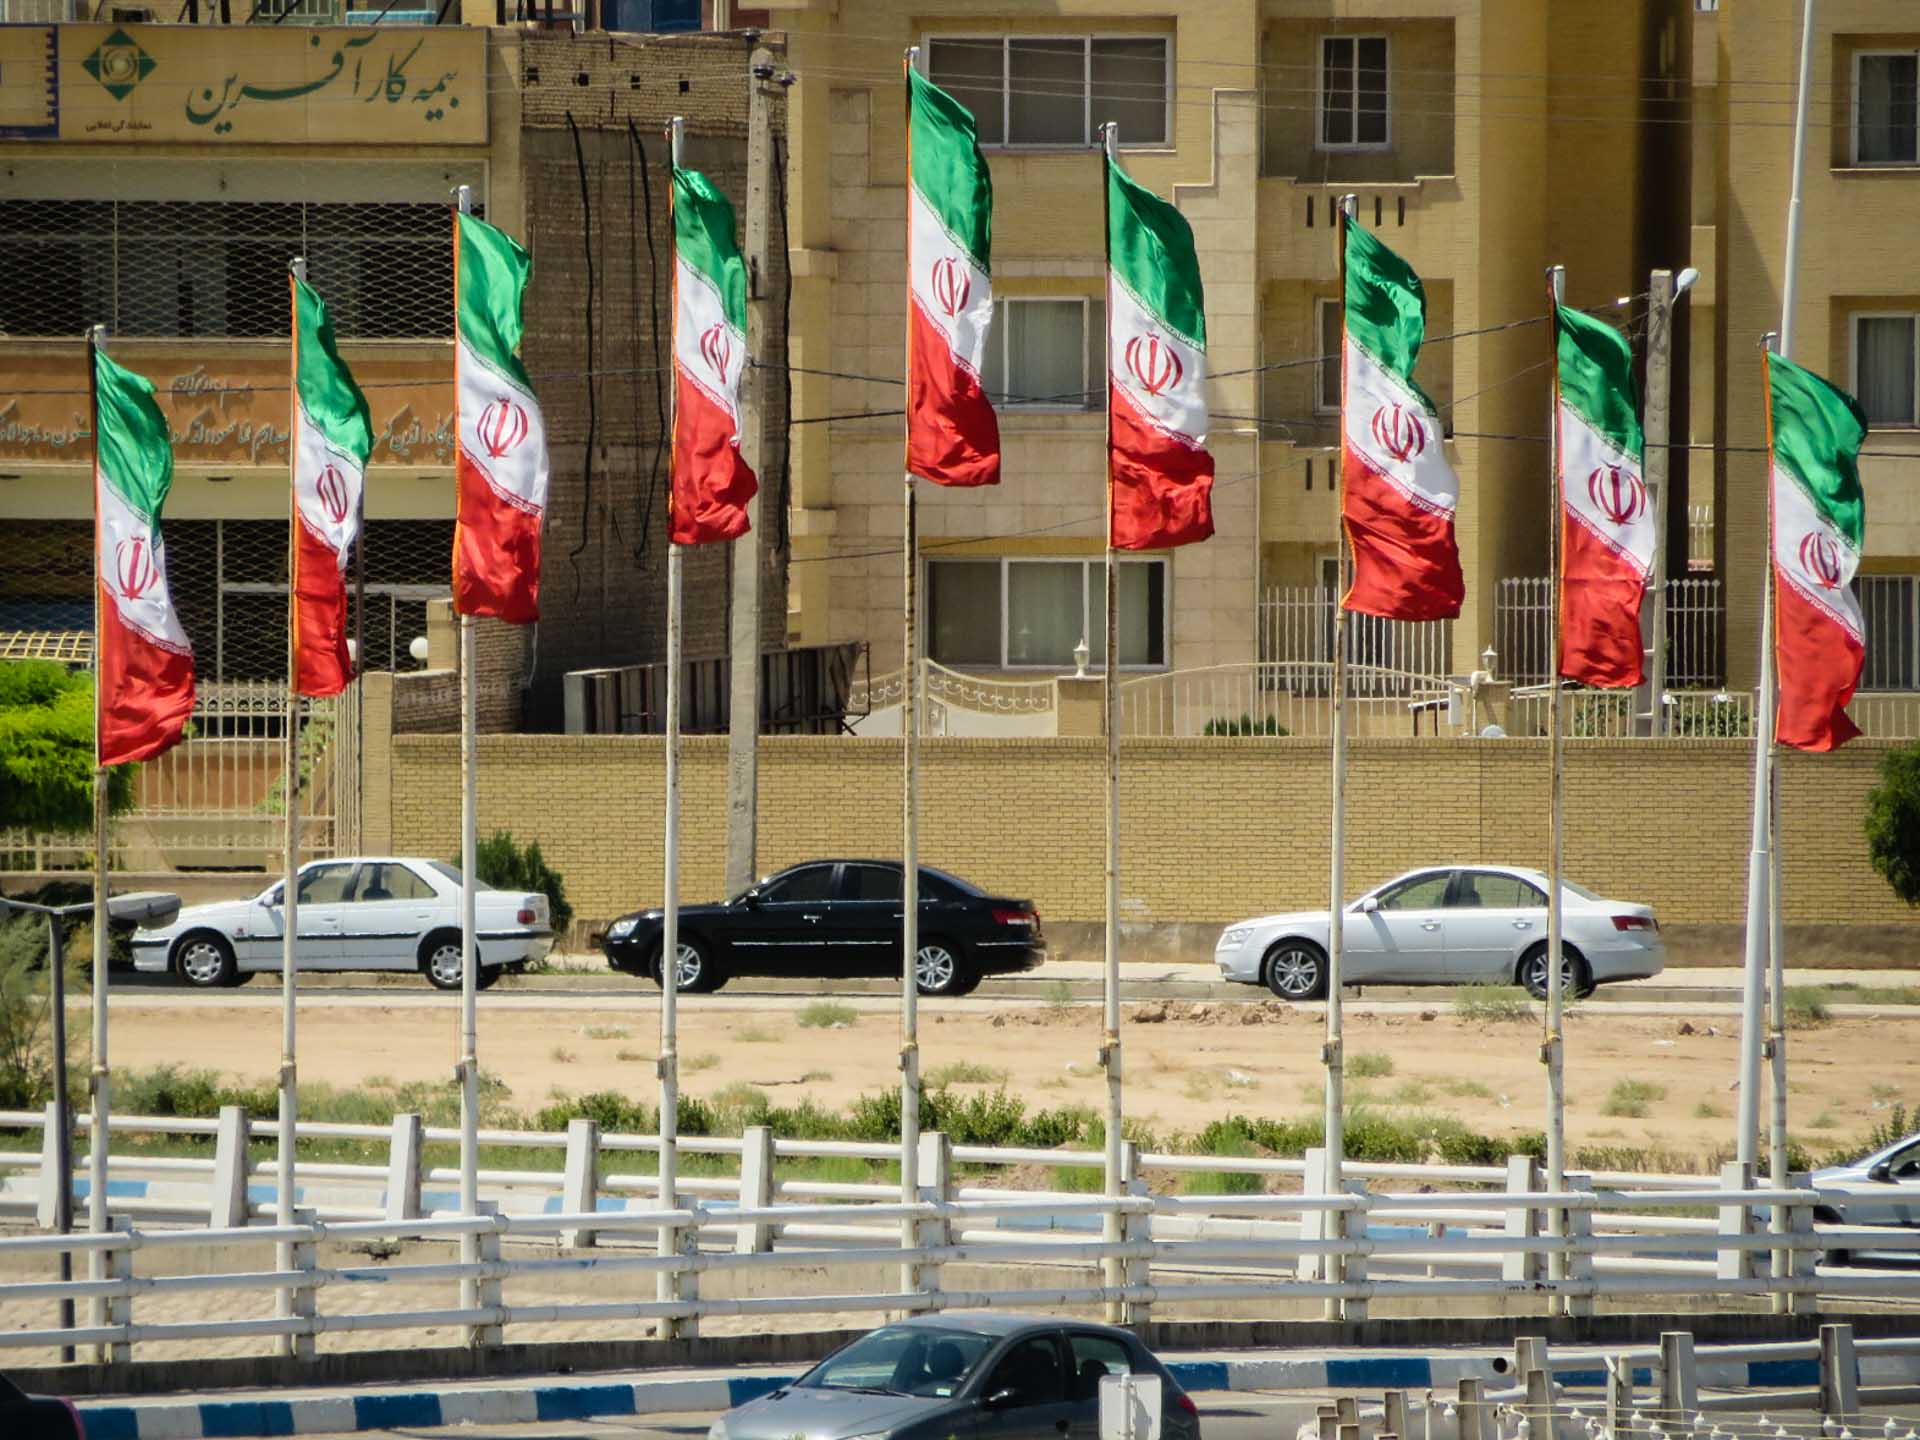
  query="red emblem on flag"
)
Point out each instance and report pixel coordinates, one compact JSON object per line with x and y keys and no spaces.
{"x":1820,"y":558}
{"x":716,"y":349}
{"x":332,"y":489}
{"x":951,"y":284}
{"x":1400,"y":433}
{"x":503,"y":425}
{"x":138,"y":572}
{"x":1153,"y":364}
{"x":1619,"y":494}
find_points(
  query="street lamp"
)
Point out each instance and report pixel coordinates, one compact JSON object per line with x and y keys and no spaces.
{"x":146,"y":905}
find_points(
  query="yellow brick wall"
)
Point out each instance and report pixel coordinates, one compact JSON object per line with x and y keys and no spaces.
{"x":1211,"y":829}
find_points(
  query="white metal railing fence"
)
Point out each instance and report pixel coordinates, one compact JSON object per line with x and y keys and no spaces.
{"x":1700,"y":714}
{"x":1695,"y":612}
{"x":1292,"y":698}
{"x":1296,"y":625}
{"x":1610,"y":1237}
{"x":953,"y":699}
{"x":1700,"y":537}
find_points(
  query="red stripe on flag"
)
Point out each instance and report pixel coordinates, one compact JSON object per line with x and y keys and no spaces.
{"x":321,"y":663}
{"x":1405,"y":563}
{"x":1820,"y":665}
{"x":496,"y":551}
{"x":953,"y":436}
{"x":146,"y":690}
{"x":1600,"y":594}
{"x":1162,"y":488}
{"x":712,"y":483}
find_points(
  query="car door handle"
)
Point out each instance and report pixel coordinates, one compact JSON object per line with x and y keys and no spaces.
{"x":1429,"y":924}
{"x":811,"y":919}
{"x":1523,"y":924}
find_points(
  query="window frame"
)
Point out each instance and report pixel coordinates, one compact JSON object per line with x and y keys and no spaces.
{"x":1092,"y":395}
{"x":1853,"y":115}
{"x":1005,"y":39}
{"x":1088,"y":592}
{"x":1320,"y":141}
{"x":1321,"y":305}
{"x":1912,"y":317}
{"x":1906,"y":664}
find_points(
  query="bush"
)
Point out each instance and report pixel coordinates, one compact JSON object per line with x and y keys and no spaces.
{"x":1245,"y":725}
{"x":1631,"y":1098}
{"x":1499,"y":1004}
{"x":501,"y":863}
{"x":1893,"y":822}
{"x":46,"y":748}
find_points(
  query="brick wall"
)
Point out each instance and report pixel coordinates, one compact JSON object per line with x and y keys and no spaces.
{"x":600,"y":300}
{"x":1211,"y":829}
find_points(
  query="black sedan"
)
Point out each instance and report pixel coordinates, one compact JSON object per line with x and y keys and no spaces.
{"x":37,"y":1417}
{"x":834,"y":918}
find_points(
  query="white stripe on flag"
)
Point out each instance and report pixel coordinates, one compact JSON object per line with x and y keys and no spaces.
{"x":133,"y":567}
{"x":1164,"y":376}
{"x":953,"y":293}
{"x":706,"y":346}
{"x":502,"y":432}
{"x":1812,"y":556}
{"x":326,"y":486}
{"x":1606,"y":492}
{"x":1395,"y":432}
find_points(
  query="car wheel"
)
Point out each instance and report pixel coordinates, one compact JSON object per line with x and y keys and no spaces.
{"x":1296,"y":970}
{"x":488,"y":977}
{"x":937,"y":969}
{"x":206,"y":960}
{"x":440,"y":961}
{"x":696,"y":973}
{"x":1575,"y":978}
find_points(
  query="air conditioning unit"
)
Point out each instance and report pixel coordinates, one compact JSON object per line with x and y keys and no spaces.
{"x":130,"y":14}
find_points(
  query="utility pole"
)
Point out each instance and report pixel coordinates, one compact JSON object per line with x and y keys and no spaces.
{"x":1657,"y":465}
{"x":743,"y":707}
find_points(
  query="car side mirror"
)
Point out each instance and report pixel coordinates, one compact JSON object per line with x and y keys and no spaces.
{"x":273,"y":897}
{"x":1369,"y":905}
{"x":1881,"y":1174}
{"x":751,"y":900}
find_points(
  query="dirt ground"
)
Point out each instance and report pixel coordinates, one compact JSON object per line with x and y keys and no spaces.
{"x":1186,"y":1063}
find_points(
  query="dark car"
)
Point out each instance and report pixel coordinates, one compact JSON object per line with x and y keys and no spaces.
{"x":832,"y":918}
{"x":37,"y":1417}
{"x":962,"y":1377}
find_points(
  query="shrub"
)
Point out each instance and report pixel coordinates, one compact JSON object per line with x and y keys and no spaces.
{"x":1497,"y":1004}
{"x":501,"y":863}
{"x":1893,"y":822}
{"x":1369,"y":1065}
{"x":46,"y":748}
{"x":1631,"y":1098}
{"x":825,"y":1014}
{"x":1245,"y":725}
{"x":1806,"y":1006}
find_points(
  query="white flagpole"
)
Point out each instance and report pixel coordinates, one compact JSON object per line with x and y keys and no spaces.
{"x":102,"y":1078}
{"x":667,"y":1285}
{"x":1331,"y":1052}
{"x":1553,"y":1051}
{"x":469,"y":944}
{"x":290,"y":892}
{"x":1762,"y":902}
{"x":1115,"y":1270}
{"x":910,"y":806}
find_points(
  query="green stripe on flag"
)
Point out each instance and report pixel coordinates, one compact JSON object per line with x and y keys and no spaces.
{"x":328,"y":394}
{"x":703,"y":237}
{"x":134,"y":445}
{"x":1818,"y":430}
{"x":1596,"y":379}
{"x":493,"y":273}
{"x":1150,"y":251}
{"x":1386,"y":305}
{"x":948,"y":169}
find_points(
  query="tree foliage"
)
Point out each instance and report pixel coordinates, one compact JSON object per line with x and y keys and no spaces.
{"x":1893,"y":822}
{"x":505,"y":866}
{"x":46,"y":748}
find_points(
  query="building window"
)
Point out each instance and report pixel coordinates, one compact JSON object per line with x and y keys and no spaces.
{"x":1015,"y":614}
{"x":1326,"y":392}
{"x":1353,"y":92}
{"x":1885,"y":375}
{"x":1886,"y":109}
{"x":1890,"y":604}
{"x":1047,"y":354}
{"x":1057,"y":91}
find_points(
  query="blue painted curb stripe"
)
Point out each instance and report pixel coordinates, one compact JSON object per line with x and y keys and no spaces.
{"x":754,"y":1386}
{"x":234,"y":1418}
{"x":380,"y":1412}
{"x":1383,"y":1372}
{"x":577,"y":1402}
{"x":1203,"y":1375}
{"x":113,"y":1422}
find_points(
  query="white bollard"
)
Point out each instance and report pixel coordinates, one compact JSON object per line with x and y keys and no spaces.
{"x":403,"y":1167}
{"x":580,"y":1184}
{"x":755,"y":1237}
{"x":230,"y":1210}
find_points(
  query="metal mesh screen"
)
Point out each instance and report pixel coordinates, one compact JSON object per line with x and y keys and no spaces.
{"x":229,"y":582}
{"x":219,"y":268}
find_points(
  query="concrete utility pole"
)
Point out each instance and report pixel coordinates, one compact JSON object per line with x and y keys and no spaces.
{"x":1658,"y":467}
{"x":743,"y":705}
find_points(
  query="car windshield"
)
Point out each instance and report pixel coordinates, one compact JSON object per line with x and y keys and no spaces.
{"x":902,"y":1360}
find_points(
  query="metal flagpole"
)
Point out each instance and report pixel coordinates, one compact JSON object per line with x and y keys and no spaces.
{"x":1334,"y":1123}
{"x":1552,"y":1051}
{"x":290,"y":892}
{"x":667,"y":1283}
{"x":1115,"y":1270}
{"x":101,"y":1087}
{"x":910,"y":795}
{"x":1761,"y":901}
{"x":469,"y":945}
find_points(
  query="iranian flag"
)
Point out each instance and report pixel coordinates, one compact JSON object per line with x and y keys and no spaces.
{"x":1819,"y":523}
{"x":1606,"y":521}
{"x":1160,"y":476}
{"x":331,"y":438}
{"x":145,"y":663}
{"x":711,"y":481}
{"x":502,"y":456}
{"x":1398,"y":492}
{"x":953,"y":436}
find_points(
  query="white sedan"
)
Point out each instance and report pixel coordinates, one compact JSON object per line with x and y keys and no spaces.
{"x":373,"y":912}
{"x":1448,"y":925}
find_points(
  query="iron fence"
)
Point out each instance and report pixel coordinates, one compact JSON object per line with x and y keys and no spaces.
{"x":1296,"y":626}
{"x":1695,"y":615}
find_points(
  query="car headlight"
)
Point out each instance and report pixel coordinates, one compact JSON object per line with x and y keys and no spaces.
{"x":619,"y":930}
{"x":1236,"y":937}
